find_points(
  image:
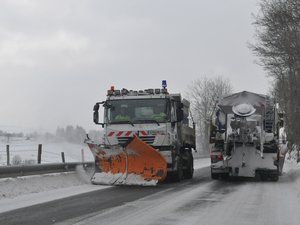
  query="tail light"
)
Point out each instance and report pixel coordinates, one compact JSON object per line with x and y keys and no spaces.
{"x":216,"y":158}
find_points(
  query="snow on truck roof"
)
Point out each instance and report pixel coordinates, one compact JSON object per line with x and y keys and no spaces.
{"x":258,"y":101}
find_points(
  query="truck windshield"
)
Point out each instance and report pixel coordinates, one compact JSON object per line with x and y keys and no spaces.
{"x":138,"y":111}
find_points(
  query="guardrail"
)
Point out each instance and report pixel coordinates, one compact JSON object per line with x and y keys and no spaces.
{"x":25,"y":170}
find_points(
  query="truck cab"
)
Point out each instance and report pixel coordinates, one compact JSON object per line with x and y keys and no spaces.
{"x":158,"y":118}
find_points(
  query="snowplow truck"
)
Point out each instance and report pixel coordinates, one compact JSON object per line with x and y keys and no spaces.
{"x":147,"y":137}
{"x":244,"y":137}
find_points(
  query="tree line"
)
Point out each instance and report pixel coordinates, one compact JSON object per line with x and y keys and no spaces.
{"x":8,"y":134}
{"x":77,"y":134}
{"x":70,"y":133}
{"x":278,"y":48}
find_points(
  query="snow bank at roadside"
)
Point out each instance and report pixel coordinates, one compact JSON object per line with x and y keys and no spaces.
{"x":30,"y":190}
{"x":26,"y":200}
{"x":290,"y":163}
{"x":13,"y":187}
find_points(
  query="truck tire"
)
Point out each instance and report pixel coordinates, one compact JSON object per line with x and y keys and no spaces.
{"x":274,"y":177}
{"x":225,"y":176}
{"x":189,"y":171}
{"x":214,"y":176}
{"x":177,"y":175}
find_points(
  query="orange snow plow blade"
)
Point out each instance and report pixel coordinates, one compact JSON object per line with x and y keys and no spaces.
{"x":135,"y":164}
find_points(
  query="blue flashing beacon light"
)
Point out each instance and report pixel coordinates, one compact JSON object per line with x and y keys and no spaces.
{"x":164,"y":84}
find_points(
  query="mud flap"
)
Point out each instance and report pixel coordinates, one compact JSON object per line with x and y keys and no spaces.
{"x":135,"y":164}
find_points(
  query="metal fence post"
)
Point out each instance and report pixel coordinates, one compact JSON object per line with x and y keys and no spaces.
{"x":63,"y":157}
{"x":82,"y":155}
{"x":39,"y":159}
{"x":7,"y":155}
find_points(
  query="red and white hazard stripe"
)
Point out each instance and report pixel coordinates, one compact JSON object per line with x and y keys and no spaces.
{"x":126,"y":133}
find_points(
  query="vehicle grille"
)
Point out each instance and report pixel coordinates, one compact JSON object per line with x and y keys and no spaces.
{"x":148,"y":139}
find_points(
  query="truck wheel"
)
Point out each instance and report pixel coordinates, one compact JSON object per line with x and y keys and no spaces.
{"x":189,"y":171}
{"x":178,"y":174}
{"x":274,"y":177}
{"x":214,"y":176}
{"x":225,"y":176}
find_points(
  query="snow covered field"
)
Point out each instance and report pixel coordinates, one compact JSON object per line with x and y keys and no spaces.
{"x":27,"y":151}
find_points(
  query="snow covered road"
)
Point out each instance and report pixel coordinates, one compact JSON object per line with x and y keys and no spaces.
{"x":197,"y":201}
{"x":238,"y":202}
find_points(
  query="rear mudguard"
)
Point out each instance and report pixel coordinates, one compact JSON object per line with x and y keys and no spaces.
{"x":135,"y":164}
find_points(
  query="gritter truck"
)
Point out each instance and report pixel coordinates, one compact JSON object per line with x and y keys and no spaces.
{"x":244,"y":137}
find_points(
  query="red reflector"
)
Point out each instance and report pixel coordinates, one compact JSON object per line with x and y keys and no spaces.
{"x":219,"y":156}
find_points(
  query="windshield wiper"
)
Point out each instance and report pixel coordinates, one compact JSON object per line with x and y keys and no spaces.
{"x":148,"y":121}
{"x":123,"y":122}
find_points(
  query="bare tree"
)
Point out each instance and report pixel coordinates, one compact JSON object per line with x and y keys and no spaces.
{"x":278,"y":47}
{"x":204,"y":94}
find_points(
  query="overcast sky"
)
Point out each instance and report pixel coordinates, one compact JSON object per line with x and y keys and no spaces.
{"x":58,"y":57}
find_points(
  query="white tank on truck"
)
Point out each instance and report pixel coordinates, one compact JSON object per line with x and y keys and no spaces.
{"x":245,"y":137}
{"x":147,"y":137}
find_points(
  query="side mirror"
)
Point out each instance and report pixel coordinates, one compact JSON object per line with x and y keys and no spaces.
{"x":96,"y":107}
{"x":96,"y":117}
{"x":96,"y":114}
